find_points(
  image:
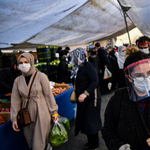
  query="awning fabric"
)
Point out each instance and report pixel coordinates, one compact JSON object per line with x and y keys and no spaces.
{"x":63,"y":22}
{"x":139,"y":14}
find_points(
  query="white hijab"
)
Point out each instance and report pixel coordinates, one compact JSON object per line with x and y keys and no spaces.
{"x":120,"y":56}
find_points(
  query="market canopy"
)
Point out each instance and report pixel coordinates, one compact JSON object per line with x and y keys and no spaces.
{"x":27,"y":23}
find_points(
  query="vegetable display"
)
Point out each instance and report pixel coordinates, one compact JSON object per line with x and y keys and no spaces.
{"x":4,"y":109}
{"x":58,"y":134}
{"x":59,"y":88}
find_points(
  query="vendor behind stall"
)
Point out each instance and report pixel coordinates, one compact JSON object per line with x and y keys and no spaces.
{"x":7,"y":77}
{"x":64,"y":73}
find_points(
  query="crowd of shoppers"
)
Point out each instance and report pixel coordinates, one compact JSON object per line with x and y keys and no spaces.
{"x":127,"y":116}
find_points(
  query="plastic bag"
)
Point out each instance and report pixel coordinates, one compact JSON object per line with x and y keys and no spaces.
{"x":107,"y":74}
{"x":64,"y":121}
{"x":58,"y":134}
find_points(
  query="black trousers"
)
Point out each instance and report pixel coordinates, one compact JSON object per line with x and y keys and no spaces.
{"x":93,"y":141}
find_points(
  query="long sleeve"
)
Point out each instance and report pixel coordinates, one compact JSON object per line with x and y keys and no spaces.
{"x":109,"y":132}
{"x":15,"y":102}
{"x":50,"y":100}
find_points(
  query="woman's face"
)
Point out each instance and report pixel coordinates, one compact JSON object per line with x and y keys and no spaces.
{"x":140,"y":72}
{"x":23,"y":60}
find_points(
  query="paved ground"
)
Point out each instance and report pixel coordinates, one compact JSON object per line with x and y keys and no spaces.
{"x":77,"y":142}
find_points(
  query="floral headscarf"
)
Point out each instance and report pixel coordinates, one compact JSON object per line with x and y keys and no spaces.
{"x":77,"y":56}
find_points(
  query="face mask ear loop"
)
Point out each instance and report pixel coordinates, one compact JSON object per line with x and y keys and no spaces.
{"x":131,"y":78}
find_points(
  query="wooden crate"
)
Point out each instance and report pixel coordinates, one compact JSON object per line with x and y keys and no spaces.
{"x":5,"y":115}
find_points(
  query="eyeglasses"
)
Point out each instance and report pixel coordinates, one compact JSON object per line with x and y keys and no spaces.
{"x":140,"y":78}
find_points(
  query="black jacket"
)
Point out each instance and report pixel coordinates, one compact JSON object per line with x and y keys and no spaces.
{"x":95,"y":60}
{"x":7,"y":77}
{"x":113,"y":61}
{"x":88,"y":119}
{"x":64,"y":73}
{"x":102,"y":54}
{"x":125,"y":131}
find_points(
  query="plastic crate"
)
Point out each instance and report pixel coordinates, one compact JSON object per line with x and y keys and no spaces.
{"x":5,"y":100}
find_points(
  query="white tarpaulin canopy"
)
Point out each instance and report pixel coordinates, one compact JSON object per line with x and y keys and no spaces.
{"x":139,"y":14}
{"x":65,"y":22}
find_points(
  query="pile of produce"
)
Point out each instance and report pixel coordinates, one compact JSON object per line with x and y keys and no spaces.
{"x":4,"y":109}
{"x":2,"y":120}
{"x":59,"y":88}
{"x":58,"y":134}
{"x":55,"y":62}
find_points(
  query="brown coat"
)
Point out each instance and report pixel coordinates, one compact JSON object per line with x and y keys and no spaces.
{"x":41,"y":106}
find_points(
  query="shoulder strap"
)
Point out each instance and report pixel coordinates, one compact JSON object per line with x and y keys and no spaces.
{"x":117,"y":103}
{"x":74,"y":84}
{"x":30,"y":90}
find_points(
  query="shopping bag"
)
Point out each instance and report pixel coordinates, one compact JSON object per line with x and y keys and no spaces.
{"x":107,"y":74}
{"x":58,"y":134}
{"x":64,"y":121}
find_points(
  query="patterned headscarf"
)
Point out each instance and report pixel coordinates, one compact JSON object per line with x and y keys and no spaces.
{"x":121,"y":56}
{"x":77,"y":56}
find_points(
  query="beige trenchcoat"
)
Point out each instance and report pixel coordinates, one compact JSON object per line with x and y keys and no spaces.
{"x":41,"y":106}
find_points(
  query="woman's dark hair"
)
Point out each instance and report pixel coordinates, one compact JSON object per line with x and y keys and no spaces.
{"x":134,"y":57}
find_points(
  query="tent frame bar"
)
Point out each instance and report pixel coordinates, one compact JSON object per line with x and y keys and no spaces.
{"x":124,"y":13}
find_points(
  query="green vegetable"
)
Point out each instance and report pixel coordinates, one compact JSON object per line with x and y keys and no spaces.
{"x":58,"y":134}
{"x":65,"y":122}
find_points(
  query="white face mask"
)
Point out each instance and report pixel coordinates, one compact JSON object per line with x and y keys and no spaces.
{"x":67,"y":59}
{"x":24,"y":67}
{"x":143,"y":86}
{"x":145,"y":50}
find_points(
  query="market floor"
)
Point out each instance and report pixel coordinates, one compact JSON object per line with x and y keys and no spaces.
{"x":77,"y":142}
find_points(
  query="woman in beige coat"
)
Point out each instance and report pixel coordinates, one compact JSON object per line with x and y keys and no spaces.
{"x":41,"y":106}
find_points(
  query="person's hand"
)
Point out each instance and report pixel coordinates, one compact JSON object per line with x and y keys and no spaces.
{"x":15,"y":126}
{"x":81,"y":98}
{"x":8,"y":94}
{"x":109,"y":85}
{"x":148,"y":141}
{"x":105,"y":66}
{"x":125,"y":147}
{"x":55,"y":118}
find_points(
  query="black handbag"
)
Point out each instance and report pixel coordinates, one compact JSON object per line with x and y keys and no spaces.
{"x":23,"y":117}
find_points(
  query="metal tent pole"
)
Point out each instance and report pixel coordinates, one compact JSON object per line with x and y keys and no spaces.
{"x":125,"y":9}
{"x":127,"y":27}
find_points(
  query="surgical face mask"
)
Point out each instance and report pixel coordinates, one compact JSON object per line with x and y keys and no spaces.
{"x":66,"y":59}
{"x":145,"y":50}
{"x":24,"y":67}
{"x":143,"y":86}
